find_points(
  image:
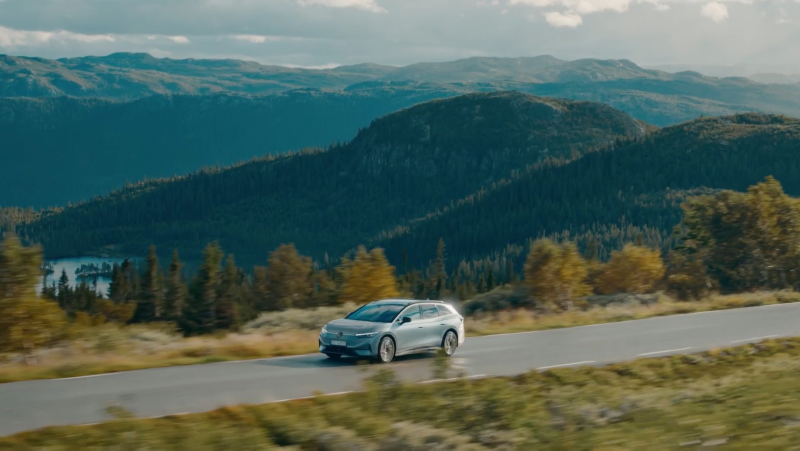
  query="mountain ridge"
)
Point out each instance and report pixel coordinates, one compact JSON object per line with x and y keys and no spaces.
{"x":328,"y":201}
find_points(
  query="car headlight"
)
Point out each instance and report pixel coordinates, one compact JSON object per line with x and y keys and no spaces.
{"x":367,"y":335}
{"x":324,"y":330}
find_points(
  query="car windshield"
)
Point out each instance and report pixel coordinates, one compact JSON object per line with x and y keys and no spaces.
{"x":377,"y":313}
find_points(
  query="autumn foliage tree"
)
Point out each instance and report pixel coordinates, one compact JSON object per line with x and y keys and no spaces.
{"x":746,"y":241}
{"x":634,"y":269}
{"x":26,"y":321}
{"x":368,"y":277}
{"x":556,"y":274}
{"x":286,"y":282}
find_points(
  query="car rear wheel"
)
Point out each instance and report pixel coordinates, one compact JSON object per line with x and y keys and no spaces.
{"x":386,"y":350}
{"x":450,"y":343}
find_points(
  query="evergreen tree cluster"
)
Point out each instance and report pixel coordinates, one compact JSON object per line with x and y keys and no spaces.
{"x":402,"y":167}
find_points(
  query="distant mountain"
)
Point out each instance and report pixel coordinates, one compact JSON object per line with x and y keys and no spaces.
{"x":783,"y":79}
{"x":136,"y":75}
{"x":540,"y":69}
{"x":638,"y":184}
{"x":402,"y":166}
{"x":60,"y":150}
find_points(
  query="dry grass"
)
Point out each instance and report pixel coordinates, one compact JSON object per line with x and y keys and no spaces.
{"x":522,"y":320}
{"x":742,"y":398}
{"x":109,"y":348}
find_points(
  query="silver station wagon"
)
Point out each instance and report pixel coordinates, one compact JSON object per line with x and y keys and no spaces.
{"x":393,"y":327}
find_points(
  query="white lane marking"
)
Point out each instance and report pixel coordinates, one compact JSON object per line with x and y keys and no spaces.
{"x":338,"y":393}
{"x":754,"y":339}
{"x":565,"y":364}
{"x":477,"y":376}
{"x":665,"y":351}
{"x":84,"y":377}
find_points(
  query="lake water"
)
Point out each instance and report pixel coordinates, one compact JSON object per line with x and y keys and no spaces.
{"x":71,"y":264}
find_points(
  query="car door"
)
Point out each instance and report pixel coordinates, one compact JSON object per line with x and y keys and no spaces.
{"x":430,"y":325}
{"x":408,"y":335}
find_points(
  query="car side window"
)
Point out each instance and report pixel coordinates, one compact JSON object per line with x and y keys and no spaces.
{"x":443,"y":311}
{"x":429,"y":311}
{"x":412,"y":312}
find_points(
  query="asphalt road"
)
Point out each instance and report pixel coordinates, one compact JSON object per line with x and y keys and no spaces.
{"x":197,"y":388}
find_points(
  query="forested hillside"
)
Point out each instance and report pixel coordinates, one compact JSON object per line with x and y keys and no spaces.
{"x":162,"y":117}
{"x":401,"y":167}
{"x":81,"y":148}
{"x":598,"y":198}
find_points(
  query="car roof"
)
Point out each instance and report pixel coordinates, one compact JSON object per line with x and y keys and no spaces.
{"x":405,"y":301}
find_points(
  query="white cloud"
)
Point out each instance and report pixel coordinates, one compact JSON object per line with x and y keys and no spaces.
{"x":260,"y":39}
{"x":369,"y":5}
{"x":10,"y":37}
{"x":254,"y":38}
{"x":568,"y":19}
{"x":661,"y":7}
{"x":715,"y":11}
{"x":179,"y":39}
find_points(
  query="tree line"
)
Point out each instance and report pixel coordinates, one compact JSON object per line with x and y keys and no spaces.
{"x":727,"y":242}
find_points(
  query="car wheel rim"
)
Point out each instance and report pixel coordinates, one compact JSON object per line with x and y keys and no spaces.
{"x":450,"y":343}
{"x":387,"y":350}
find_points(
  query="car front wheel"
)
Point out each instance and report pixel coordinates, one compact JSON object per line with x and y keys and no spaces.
{"x":450,"y":342}
{"x":386,"y":350}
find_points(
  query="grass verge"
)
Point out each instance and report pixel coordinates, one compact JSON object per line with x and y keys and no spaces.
{"x":737,"y":398}
{"x":109,"y":348}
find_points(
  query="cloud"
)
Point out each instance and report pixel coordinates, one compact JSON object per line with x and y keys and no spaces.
{"x":369,"y":5}
{"x":179,"y":39}
{"x":715,"y":11}
{"x":10,"y":37}
{"x":568,"y":19}
{"x":253,"y":38}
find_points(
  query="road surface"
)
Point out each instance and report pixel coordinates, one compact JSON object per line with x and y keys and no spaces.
{"x":197,"y":388}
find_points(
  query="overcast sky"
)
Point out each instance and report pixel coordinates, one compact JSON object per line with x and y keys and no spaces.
{"x":318,"y":33}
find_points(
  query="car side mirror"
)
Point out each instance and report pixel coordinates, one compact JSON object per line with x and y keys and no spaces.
{"x":406,"y":319}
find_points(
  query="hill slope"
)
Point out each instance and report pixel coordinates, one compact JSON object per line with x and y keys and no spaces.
{"x":402,"y":166}
{"x":80,"y":148}
{"x":640,"y":184}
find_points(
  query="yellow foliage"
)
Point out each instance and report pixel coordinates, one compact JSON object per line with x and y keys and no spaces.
{"x":26,"y":322}
{"x":29,"y":323}
{"x":369,"y":277}
{"x":556,"y":274}
{"x":634,"y":269}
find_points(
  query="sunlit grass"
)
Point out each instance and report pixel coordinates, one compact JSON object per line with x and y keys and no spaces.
{"x":744,"y":398}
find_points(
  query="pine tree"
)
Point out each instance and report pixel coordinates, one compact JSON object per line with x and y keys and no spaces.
{"x":121,"y":287}
{"x":437,"y":273}
{"x":227,"y":307}
{"x":176,"y":290}
{"x":65,"y":293}
{"x":200,"y":313}
{"x":151,"y":298}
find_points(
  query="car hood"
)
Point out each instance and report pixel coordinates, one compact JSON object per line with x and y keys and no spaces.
{"x":351,"y":327}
